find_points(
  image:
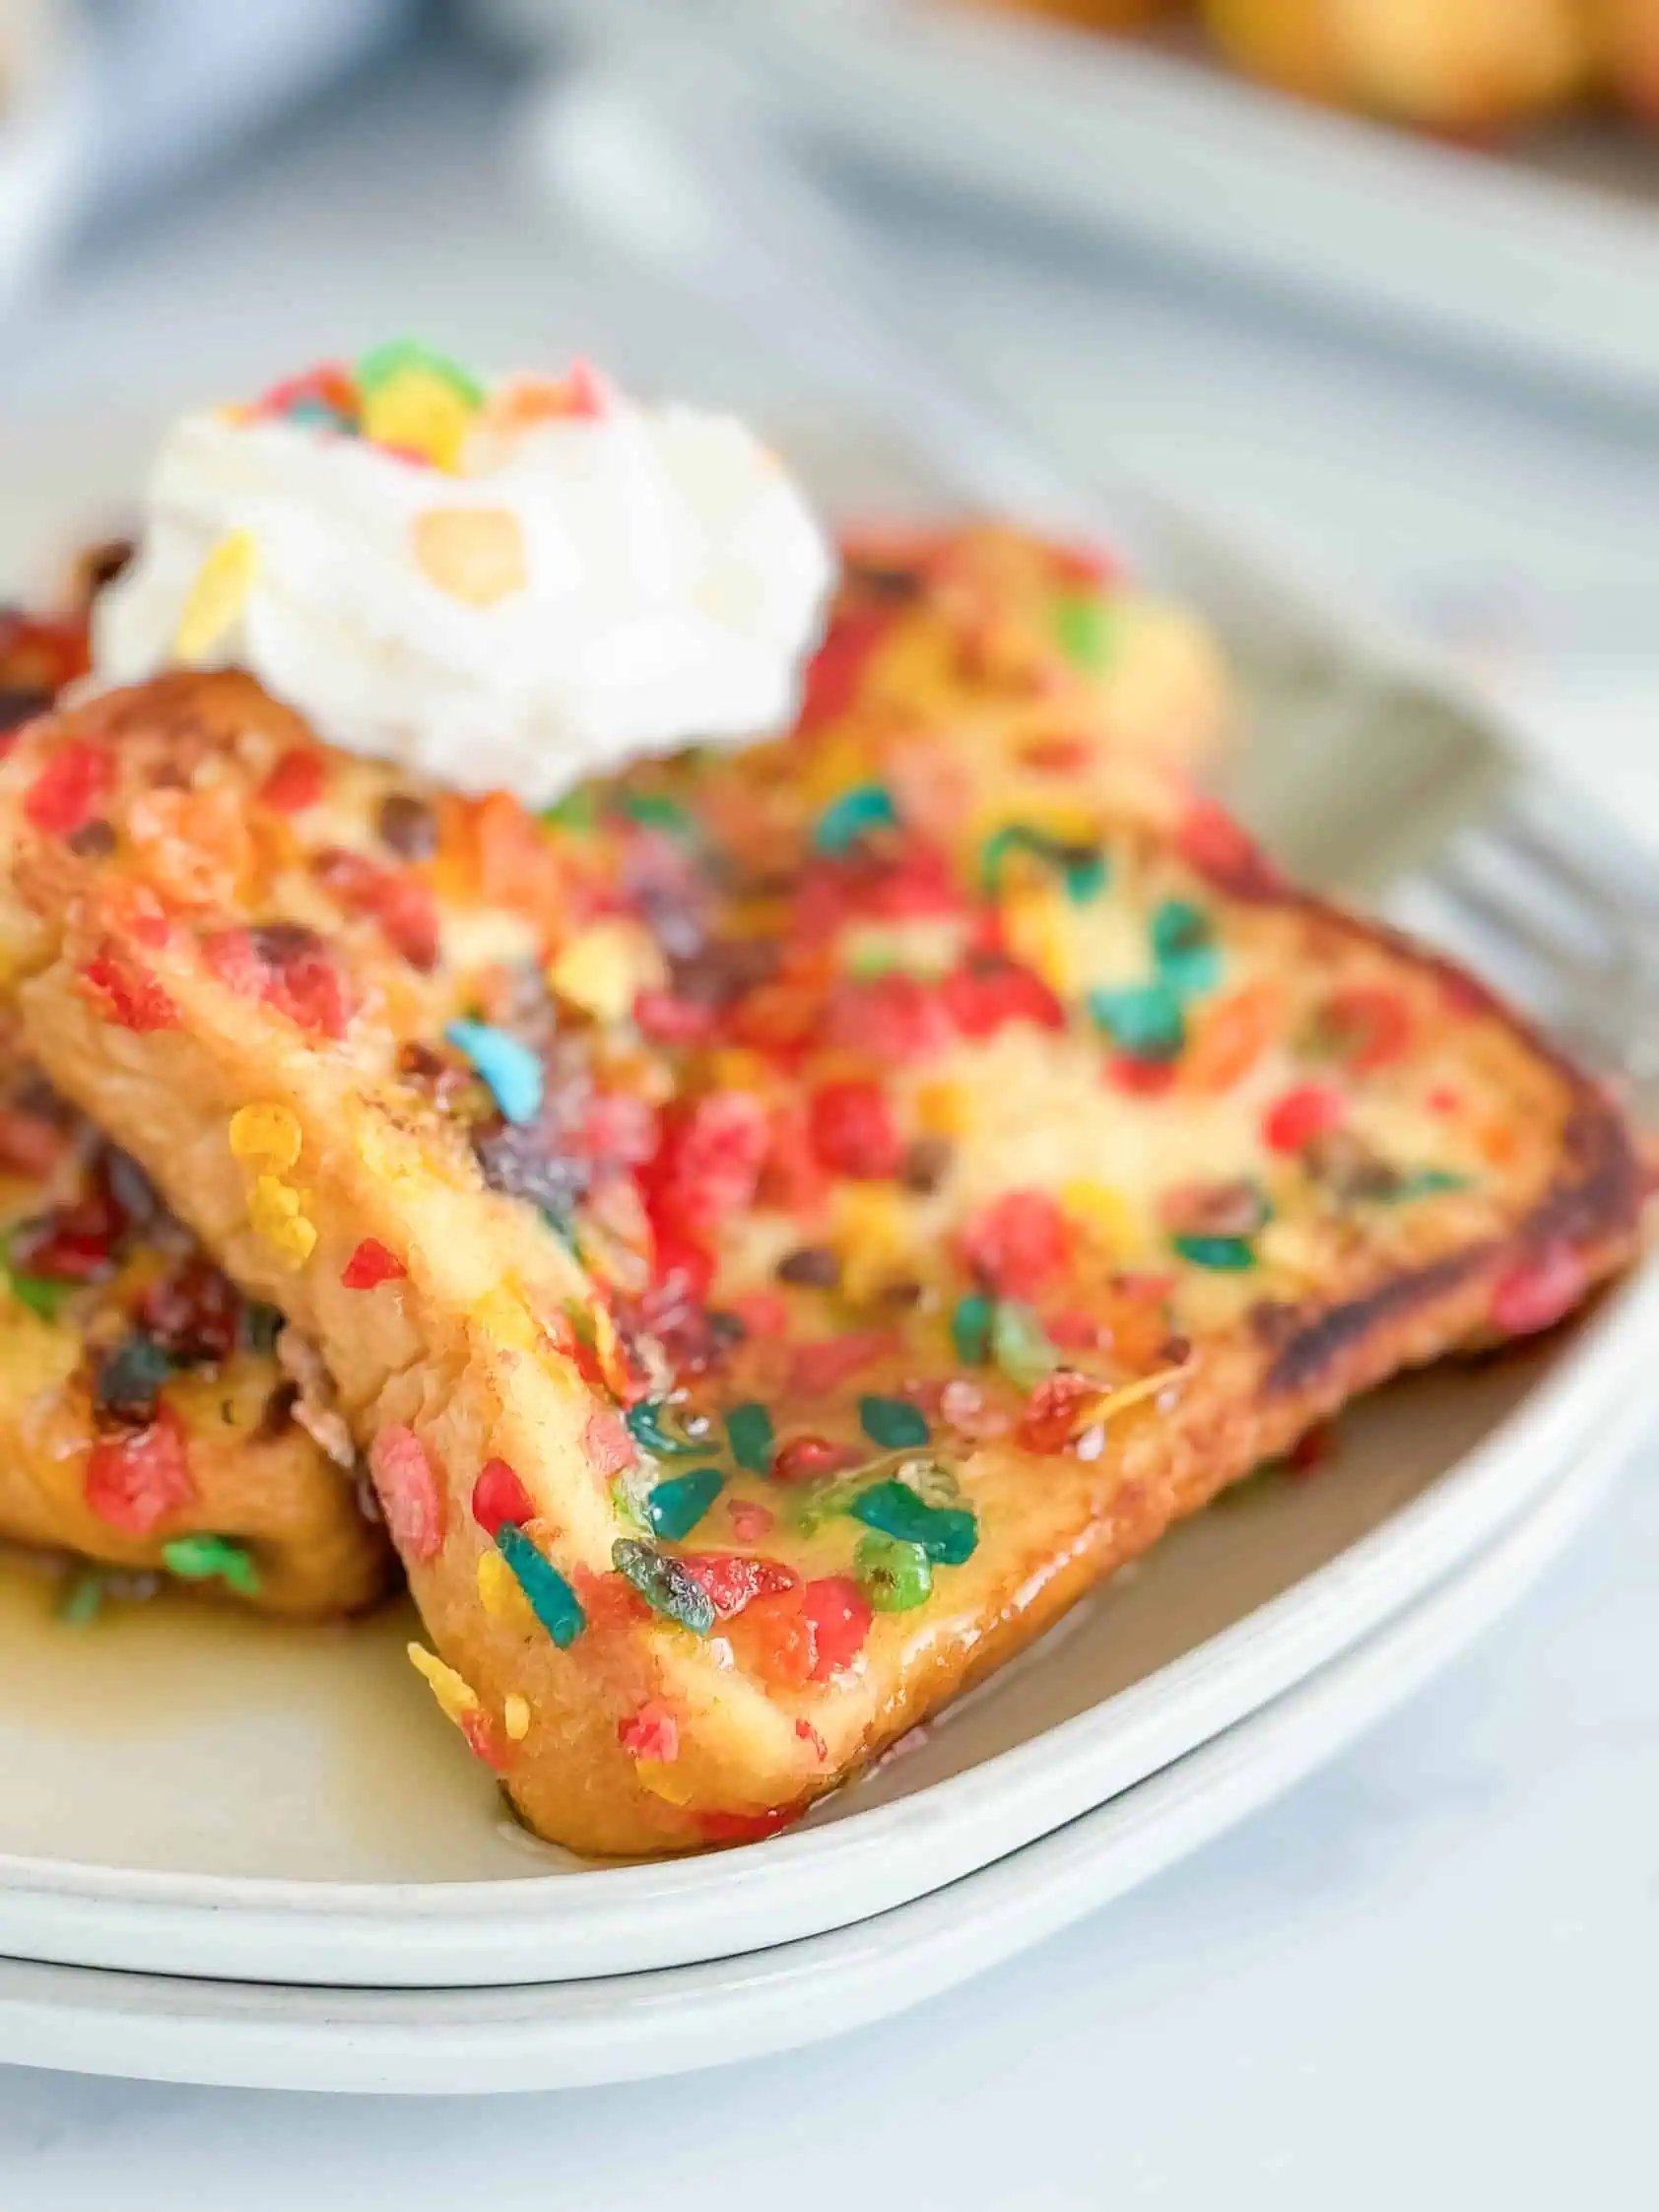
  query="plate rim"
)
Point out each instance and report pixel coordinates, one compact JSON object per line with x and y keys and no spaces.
{"x":599,"y":1923}
{"x":633,"y":2027}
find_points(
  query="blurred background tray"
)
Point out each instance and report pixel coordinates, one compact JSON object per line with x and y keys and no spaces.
{"x":1544,"y":258}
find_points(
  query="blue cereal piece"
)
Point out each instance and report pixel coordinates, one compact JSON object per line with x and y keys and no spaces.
{"x":511,"y":1072}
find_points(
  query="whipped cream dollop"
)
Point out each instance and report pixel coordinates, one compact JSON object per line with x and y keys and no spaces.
{"x":509,"y":587}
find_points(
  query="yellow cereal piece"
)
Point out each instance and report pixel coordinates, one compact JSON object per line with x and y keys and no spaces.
{"x":609,"y":1351}
{"x":516,"y":1716}
{"x":1104,"y":1214}
{"x":944,"y":1109}
{"x":475,"y":554}
{"x":603,"y":970}
{"x":663,"y":1780}
{"x":501,"y":1596}
{"x":266,"y":1136}
{"x":507,"y":1318}
{"x":456,"y":1696}
{"x":217,"y":597}
{"x":1036,"y":923}
{"x":419,"y":412}
{"x":276,"y":1213}
{"x":869,"y":1235}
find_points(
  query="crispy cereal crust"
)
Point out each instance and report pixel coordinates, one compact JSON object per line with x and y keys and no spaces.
{"x":1482,"y":1186}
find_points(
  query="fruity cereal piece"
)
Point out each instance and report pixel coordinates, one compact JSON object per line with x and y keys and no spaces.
{"x":655,"y":1435}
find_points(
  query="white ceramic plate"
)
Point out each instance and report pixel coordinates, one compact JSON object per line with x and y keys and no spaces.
{"x":191,"y":1792}
{"x":574,"y":2034}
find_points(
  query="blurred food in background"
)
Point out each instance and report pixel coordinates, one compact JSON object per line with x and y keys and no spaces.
{"x":1464,"y":67}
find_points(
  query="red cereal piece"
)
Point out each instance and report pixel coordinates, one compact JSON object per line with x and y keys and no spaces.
{"x":287,"y":965}
{"x":1056,"y":756}
{"x":841,"y":1617}
{"x":853,"y":1131}
{"x":825,"y":1364}
{"x":127,"y":996}
{"x":750,"y":1520}
{"x":617,"y":1128}
{"x":791,"y":1177}
{"x":889,"y":1019}
{"x":777,"y":1640}
{"x":1019,"y":1244}
{"x":137,"y":1481}
{"x":1054,"y":1410}
{"x":483,"y":1741}
{"x":499,"y":1497}
{"x":986,"y":993}
{"x":1142,"y":1079}
{"x":1224,"y":851}
{"x":664,"y":1018}
{"x":1298,"y":1115}
{"x":1538,"y":1291}
{"x":733,"y":1581}
{"x":610,"y":1601}
{"x":297,"y":782}
{"x":408,"y":1491}
{"x":70,"y":790}
{"x":836,"y":670}
{"x":607,"y":1441}
{"x":370,"y":1265}
{"x":803,"y":1458}
{"x":403,"y":903}
{"x":1368,"y":1026}
{"x":651,"y":1733}
{"x":710,"y":1157}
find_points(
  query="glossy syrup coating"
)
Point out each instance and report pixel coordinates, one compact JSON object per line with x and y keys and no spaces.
{"x":786,"y":1223}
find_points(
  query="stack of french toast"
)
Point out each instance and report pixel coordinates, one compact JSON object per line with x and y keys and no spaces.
{"x":754,"y":1242}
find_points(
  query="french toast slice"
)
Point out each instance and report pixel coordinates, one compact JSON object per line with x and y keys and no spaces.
{"x":784,"y":1224}
{"x":147,"y":1423}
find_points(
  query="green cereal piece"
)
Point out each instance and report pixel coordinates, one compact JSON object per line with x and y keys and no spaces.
{"x":382,"y":362}
{"x":552,"y":1599}
{"x":948,"y":1534}
{"x":663,"y":1429}
{"x":749,"y":1428}
{"x":846,"y":821}
{"x":1224,"y":1255}
{"x":1143,"y":1020}
{"x":895,"y":1577}
{"x":652,"y":811}
{"x":893,"y":1423}
{"x":576,"y":810}
{"x":1086,"y":627}
{"x":1185,"y":948}
{"x":972,"y":1320}
{"x":1020,"y":1345}
{"x":664,"y":1584}
{"x":207,"y":1559}
{"x":675,"y":1506}
{"x":82,"y":1595}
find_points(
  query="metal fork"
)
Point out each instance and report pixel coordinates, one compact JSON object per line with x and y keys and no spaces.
{"x":1390,"y":779}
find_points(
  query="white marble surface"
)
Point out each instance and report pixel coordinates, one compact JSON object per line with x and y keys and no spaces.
{"x":1425,"y":1975}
